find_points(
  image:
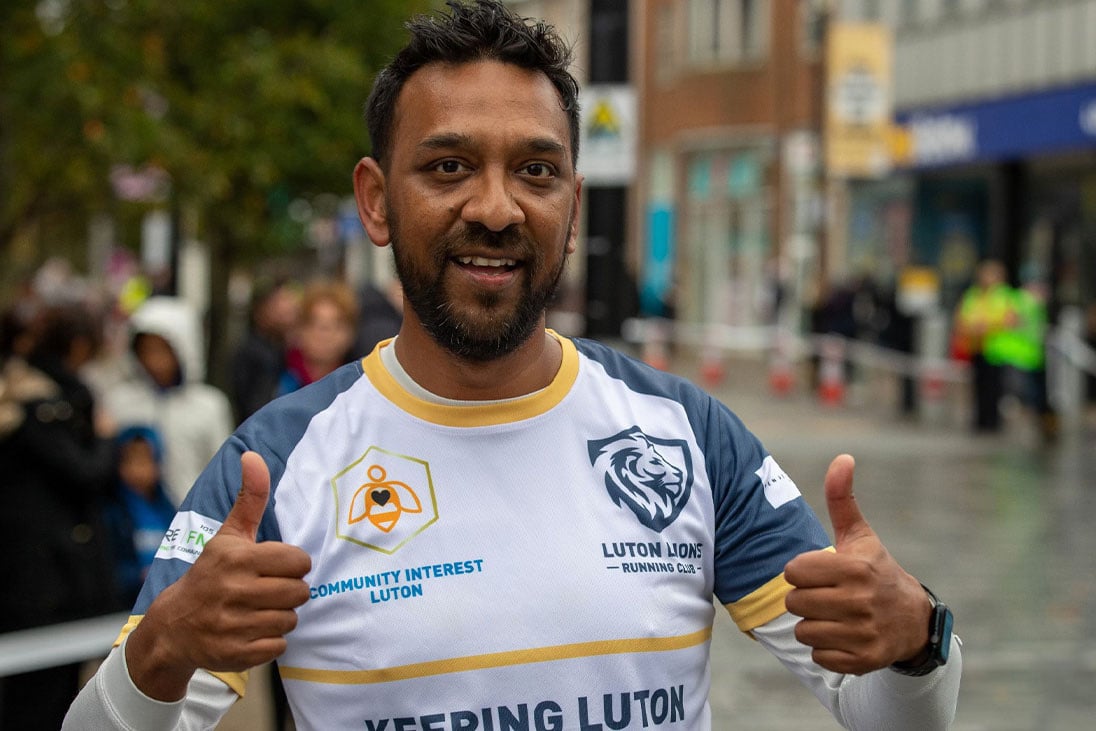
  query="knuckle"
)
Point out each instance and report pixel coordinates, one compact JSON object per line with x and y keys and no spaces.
{"x":301,"y":594}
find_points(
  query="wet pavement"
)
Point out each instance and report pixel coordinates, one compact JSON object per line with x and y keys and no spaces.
{"x":1003,"y":528}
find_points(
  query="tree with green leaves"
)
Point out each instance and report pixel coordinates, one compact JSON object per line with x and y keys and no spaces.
{"x":244,"y":105}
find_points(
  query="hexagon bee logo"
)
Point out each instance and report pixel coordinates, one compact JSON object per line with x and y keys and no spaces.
{"x":383,"y":500}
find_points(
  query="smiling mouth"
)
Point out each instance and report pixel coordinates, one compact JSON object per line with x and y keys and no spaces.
{"x":483,"y":261}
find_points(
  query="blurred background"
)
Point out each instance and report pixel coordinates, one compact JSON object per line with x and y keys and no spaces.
{"x":815,"y":166}
{"x":785,"y":200}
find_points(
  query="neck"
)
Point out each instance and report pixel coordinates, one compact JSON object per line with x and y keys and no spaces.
{"x":529,"y":368}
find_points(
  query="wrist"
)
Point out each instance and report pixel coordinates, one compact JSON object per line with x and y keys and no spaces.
{"x":154,"y":669}
{"x":934,"y":650}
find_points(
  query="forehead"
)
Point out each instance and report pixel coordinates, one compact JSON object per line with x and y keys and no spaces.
{"x":137,"y":446}
{"x":325,"y":307}
{"x":481,"y":101}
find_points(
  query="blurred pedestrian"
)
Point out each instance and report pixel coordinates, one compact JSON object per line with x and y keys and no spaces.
{"x":985,"y":313}
{"x":897,"y":327}
{"x":379,"y":316}
{"x":1023,"y":348}
{"x":259,"y":360}
{"x":165,"y":390}
{"x":834,"y":315}
{"x":139,"y":512}
{"x":324,"y":336}
{"x":57,"y":462}
{"x":16,"y":330}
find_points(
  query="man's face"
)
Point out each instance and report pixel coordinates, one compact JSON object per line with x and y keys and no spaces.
{"x":481,"y":201}
{"x":278,"y":313}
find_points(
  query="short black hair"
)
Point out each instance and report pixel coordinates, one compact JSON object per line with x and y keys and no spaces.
{"x":472,"y":31}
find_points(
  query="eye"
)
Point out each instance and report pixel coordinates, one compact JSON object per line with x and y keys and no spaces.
{"x":449,"y":167}
{"x":539,"y":170}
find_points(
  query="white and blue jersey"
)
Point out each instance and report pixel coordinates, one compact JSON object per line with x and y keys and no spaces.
{"x":547,"y":562}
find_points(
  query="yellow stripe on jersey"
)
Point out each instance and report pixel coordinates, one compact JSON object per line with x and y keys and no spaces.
{"x":134,"y":620}
{"x":497,"y":660}
{"x":487,"y":414}
{"x":236,"y":681}
{"x":761,"y":605}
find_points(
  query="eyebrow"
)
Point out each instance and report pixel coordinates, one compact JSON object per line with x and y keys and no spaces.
{"x":448,"y":140}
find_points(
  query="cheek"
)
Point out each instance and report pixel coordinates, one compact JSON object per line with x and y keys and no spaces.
{"x":551,"y":223}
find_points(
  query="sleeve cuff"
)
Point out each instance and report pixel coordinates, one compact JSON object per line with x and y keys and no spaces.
{"x":126,"y":703}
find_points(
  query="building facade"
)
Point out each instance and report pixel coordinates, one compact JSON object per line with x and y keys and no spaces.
{"x":996,"y":101}
{"x":726,"y":198}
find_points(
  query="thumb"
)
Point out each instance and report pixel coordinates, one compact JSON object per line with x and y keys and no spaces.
{"x":244,"y":518}
{"x":845,"y":516}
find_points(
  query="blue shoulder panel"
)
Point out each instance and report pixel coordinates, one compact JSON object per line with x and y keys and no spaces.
{"x":753,"y":538}
{"x":273,"y":432}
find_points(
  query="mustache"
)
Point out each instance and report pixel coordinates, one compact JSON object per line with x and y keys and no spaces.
{"x":474,"y":234}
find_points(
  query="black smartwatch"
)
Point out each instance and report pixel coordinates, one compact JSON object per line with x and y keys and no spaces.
{"x":936,"y":651}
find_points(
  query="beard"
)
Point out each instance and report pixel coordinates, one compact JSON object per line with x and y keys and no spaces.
{"x":490,"y":327}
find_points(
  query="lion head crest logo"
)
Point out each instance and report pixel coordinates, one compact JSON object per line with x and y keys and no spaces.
{"x":653,"y":477}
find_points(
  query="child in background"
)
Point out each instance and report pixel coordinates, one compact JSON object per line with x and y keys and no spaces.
{"x":167,"y":391}
{"x":141,"y":512}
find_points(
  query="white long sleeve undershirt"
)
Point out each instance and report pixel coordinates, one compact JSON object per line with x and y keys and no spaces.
{"x":882,"y":699}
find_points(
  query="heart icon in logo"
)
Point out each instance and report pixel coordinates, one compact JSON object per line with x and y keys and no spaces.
{"x":380,"y":497}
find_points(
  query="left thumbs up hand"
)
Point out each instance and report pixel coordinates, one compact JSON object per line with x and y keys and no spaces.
{"x":861,"y":611}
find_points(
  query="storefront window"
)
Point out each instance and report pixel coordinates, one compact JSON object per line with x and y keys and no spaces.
{"x":726,"y":225}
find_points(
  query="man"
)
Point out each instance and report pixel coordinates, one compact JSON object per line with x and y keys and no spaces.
{"x":483,"y":525}
{"x":983,"y":321}
{"x":259,"y":359}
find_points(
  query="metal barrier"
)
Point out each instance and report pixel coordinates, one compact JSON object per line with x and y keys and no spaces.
{"x":59,"y":644}
{"x":764,"y":338}
{"x":653,"y":336}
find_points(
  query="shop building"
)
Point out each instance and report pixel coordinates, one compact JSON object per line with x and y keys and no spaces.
{"x":724,"y":202}
{"x":995,"y":106}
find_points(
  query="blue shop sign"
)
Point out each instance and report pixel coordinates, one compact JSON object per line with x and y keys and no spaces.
{"x":1049,"y":121}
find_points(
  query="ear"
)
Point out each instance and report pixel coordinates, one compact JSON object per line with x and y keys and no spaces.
{"x":576,"y":211}
{"x":369,"y":192}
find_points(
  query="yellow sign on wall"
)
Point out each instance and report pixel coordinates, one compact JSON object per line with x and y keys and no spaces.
{"x":858,"y":132}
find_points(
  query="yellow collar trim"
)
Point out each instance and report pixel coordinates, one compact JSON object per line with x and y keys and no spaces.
{"x":476,"y":414}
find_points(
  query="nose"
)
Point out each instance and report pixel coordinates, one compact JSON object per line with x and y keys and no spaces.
{"x":492,"y":203}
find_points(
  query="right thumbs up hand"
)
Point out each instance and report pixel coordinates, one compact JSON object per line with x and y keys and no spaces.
{"x":231,"y":610}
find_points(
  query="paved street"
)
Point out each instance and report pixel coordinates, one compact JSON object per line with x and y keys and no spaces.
{"x":1001,"y":527}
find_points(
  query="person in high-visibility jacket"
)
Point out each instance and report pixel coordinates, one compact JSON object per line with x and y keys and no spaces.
{"x":1024,"y":351}
{"x":983,"y":320}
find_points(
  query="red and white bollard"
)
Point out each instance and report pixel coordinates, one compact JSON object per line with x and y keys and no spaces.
{"x":712,"y":369}
{"x":781,"y":371}
{"x":831,"y":371}
{"x":656,"y":351}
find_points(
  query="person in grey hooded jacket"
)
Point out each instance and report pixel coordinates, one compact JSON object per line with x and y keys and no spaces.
{"x":166,"y":391}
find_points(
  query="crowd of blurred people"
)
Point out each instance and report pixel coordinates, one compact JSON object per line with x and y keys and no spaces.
{"x":999,"y":329}
{"x":106,"y":419}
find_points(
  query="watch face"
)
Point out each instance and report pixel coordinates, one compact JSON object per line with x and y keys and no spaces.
{"x":942,"y":639}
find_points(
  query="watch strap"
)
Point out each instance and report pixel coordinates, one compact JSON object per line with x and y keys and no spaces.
{"x":935,"y":652}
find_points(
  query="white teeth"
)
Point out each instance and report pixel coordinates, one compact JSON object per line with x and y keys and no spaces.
{"x":482,"y":261}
